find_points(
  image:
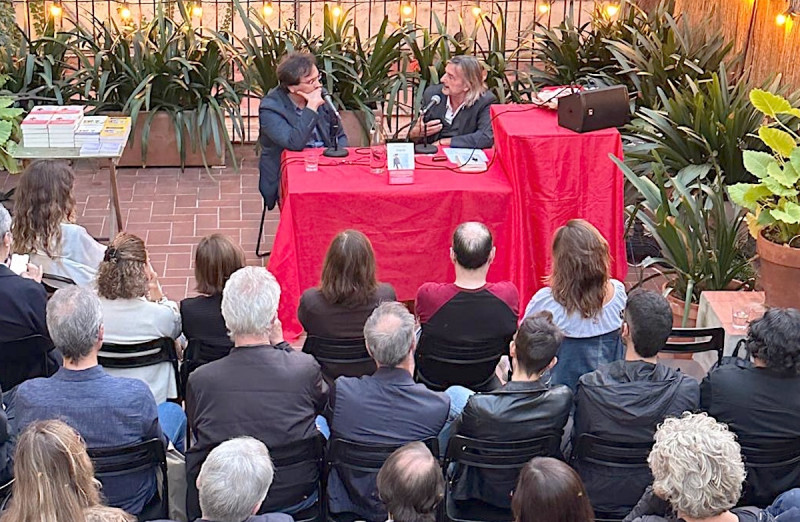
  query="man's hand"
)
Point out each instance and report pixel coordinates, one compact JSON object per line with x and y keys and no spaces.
{"x":33,"y":272}
{"x":276,"y":332}
{"x":421,"y":129}
{"x":313,"y":99}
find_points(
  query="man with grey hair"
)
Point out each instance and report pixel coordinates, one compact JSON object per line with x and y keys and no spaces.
{"x":467,"y":311}
{"x":384,"y":408}
{"x":263,"y":389}
{"x":107,"y":411}
{"x":234,"y":481}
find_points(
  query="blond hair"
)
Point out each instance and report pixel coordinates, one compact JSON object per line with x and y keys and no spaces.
{"x":474,"y":76}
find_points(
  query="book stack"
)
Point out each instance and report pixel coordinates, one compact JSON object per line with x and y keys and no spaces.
{"x":114,"y":135}
{"x":89,"y":131}
{"x":62,"y":128}
{"x":34,"y":130}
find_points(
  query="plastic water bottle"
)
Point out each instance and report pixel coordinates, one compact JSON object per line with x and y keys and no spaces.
{"x":377,"y":147}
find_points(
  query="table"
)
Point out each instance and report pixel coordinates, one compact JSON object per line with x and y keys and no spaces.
{"x":557,"y":175}
{"x":716,"y":309}
{"x":410,"y":226}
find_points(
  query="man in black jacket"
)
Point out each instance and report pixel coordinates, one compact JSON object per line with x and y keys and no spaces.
{"x":625,"y":401}
{"x":525,"y":408}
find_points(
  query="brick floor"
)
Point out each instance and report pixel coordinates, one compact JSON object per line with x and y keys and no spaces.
{"x":172,"y":210}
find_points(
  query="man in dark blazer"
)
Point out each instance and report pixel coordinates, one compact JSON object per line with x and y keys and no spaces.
{"x":263,"y":389}
{"x":461,"y":119}
{"x":384,"y":408}
{"x":293,"y":116}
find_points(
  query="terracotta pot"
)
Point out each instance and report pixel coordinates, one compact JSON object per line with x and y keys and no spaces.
{"x":355,"y":127}
{"x":779,"y":273}
{"x":677,"y":305}
{"x":162,"y":149}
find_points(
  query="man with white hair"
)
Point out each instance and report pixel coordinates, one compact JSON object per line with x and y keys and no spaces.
{"x":263,"y":389}
{"x":384,"y":408}
{"x":234,"y":481}
{"x":466,"y":312}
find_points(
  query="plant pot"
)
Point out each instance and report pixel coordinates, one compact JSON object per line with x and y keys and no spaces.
{"x":355,"y":127}
{"x":779,"y":273}
{"x":678,"y":305}
{"x":162,"y":149}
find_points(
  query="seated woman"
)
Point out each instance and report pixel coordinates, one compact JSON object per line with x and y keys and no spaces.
{"x":461,"y":118}
{"x":55,"y":478}
{"x":548,"y":490}
{"x":135,"y":310}
{"x":216,"y":258}
{"x":585,"y":301}
{"x":44,"y":224}
{"x":348,"y":292}
{"x":293,"y":116}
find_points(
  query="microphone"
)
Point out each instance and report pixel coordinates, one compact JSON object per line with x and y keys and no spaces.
{"x":424,"y":147}
{"x":329,"y":102}
{"x":335,"y":151}
{"x":435,"y":100}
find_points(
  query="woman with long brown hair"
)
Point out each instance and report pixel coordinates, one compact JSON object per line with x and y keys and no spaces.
{"x":54,"y":478}
{"x":44,"y":223}
{"x":586,"y":303}
{"x":548,"y":490}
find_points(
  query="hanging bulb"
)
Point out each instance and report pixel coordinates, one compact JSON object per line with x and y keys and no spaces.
{"x":612,"y":10}
{"x":781,"y":19}
{"x":406,"y":11}
{"x":125,"y":12}
{"x":267,"y":9}
{"x":544,"y":7}
{"x":197,"y":10}
{"x":56,"y":9}
{"x":476,"y":10}
{"x":337,"y":11}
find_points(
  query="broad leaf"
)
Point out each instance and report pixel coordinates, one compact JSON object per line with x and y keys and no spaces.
{"x":789,"y":214}
{"x":786,"y":176}
{"x":5,"y":131}
{"x":769,"y":103}
{"x":779,"y":141}
{"x":756,"y":162}
{"x":748,"y":195}
{"x":794,"y":158}
{"x":752,"y":225}
{"x":777,"y":189}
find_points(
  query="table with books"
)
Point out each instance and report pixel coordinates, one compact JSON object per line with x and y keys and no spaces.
{"x":66,"y":133}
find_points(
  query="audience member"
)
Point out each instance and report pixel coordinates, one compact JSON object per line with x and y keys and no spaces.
{"x":22,"y":307}
{"x":468,"y":311}
{"x":760,"y":403}
{"x":585,"y":302}
{"x":525,"y":408}
{"x":410,"y":484}
{"x":54,"y":479}
{"x":625,"y":401}
{"x":384,"y":408}
{"x":234,"y":481}
{"x":44,"y":206}
{"x":217,"y":257}
{"x":136,"y":310}
{"x":548,"y":490}
{"x":263,"y":389}
{"x":107,"y":411}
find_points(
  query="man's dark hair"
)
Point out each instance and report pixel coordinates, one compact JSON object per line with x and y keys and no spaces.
{"x":649,"y":319}
{"x":472,"y":244}
{"x":775,"y":339}
{"x":410,"y":484}
{"x":294,"y":67}
{"x":537,"y":342}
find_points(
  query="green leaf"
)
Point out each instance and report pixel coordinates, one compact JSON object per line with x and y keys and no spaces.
{"x":748,"y":195}
{"x":756,"y":162}
{"x":786,"y":176}
{"x":789,"y":214}
{"x":5,"y":131}
{"x":768,"y":103}
{"x":779,"y":141}
{"x":777,"y":189}
{"x":794,"y":158}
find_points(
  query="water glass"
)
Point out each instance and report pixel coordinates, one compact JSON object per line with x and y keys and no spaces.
{"x":740,"y":316}
{"x":311,"y":157}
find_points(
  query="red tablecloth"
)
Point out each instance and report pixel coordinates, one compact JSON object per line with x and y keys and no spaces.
{"x":410,"y":226}
{"x":557,"y":175}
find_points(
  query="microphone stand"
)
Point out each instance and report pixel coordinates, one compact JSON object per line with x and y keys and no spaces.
{"x":335,"y":151}
{"x":424,"y":147}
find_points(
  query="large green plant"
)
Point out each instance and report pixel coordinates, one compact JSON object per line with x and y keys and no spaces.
{"x":10,"y":118}
{"x":773,"y":202}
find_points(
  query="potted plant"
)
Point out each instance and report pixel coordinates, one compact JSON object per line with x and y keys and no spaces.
{"x":698,"y":232}
{"x":774,"y":202}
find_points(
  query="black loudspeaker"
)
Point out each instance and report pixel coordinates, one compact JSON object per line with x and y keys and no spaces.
{"x":596,"y":109}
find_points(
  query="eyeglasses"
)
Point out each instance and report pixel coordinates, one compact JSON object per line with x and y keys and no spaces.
{"x":318,"y":79}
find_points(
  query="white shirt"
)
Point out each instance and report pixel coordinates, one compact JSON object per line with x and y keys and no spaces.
{"x":79,"y":256}
{"x":450,"y":114}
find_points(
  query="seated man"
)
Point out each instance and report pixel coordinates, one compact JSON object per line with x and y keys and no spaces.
{"x":469,"y":310}
{"x":525,"y":408}
{"x":384,"y":408}
{"x":234,"y":481}
{"x":22,"y":306}
{"x":411,"y":485}
{"x":761,"y":402}
{"x":263,"y":389}
{"x":625,"y":401}
{"x":107,"y":411}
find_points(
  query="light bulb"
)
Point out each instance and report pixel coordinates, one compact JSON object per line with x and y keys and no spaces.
{"x":544,"y":7}
{"x":197,"y":10}
{"x":477,"y":11}
{"x":612,"y":9}
{"x":406,"y":10}
{"x":336,"y":11}
{"x":781,"y":19}
{"x":267,"y":9}
{"x":125,"y":12}
{"x":56,"y":10}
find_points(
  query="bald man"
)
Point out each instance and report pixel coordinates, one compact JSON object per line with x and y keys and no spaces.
{"x":467,"y":311}
{"x":411,"y":484}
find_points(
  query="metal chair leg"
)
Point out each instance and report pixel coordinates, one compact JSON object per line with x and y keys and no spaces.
{"x":261,"y":234}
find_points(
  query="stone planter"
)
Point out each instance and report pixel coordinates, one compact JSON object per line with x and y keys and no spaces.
{"x":355,"y":127}
{"x":779,"y":273}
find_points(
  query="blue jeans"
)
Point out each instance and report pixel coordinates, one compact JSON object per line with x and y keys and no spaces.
{"x":173,"y":423}
{"x":786,"y":507}
{"x":578,"y":356}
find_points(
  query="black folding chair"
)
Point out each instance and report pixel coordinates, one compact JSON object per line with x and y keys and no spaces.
{"x":441,"y":363}
{"x":488,"y":455}
{"x":691,"y":341}
{"x":124,"y":460}
{"x":197,"y":354}
{"x":628,"y":457}
{"x":340,"y":357}
{"x":25,"y":358}
{"x":53,"y":282}
{"x":296,"y":456}
{"x":149,"y":353}
{"x":773,"y":467}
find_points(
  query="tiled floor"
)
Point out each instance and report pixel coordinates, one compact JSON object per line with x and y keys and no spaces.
{"x":172,"y":210}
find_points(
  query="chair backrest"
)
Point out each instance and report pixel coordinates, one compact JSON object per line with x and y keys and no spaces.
{"x":614,"y":454}
{"x":197,"y":354}
{"x":486,"y":454}
{"x":23,"y":359}
{"x":149,"y":353}
{"x":122,"y":460}
{"x":773,"y":466}
{"x":442,"y":363}
{"x":356,"y":456}
{"x":340,"y":357}
{"x":53,"y":282}
{"x":294,"y":456}
{"x":696,"y":340}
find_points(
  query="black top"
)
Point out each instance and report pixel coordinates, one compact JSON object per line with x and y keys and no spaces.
{"x":650,"y":508}
{"x":202,"y":320}
{"x":322,"y":319}
{"x":22,"y":306}
{"x":471,"y":127}
{"x":5,"y":446}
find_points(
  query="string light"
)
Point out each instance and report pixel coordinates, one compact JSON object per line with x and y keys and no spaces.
{"x":197,"y":9}
{"x":792,"y":11}
{"x":56,"y":9}
{"x":612,"y":9}
{"x":337,"y":10}
{"x":267,"y":9}
{"x":124,"y":11}
{"x":406,"y":11}
{"x":476,"y":10}
{"x":781,"y":19}
{"x":544,"y":7}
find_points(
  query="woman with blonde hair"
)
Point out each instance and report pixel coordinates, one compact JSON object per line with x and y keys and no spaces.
{"x":586,"y":303}
{"x":44,"y":223}
{"x":54,"y":478}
